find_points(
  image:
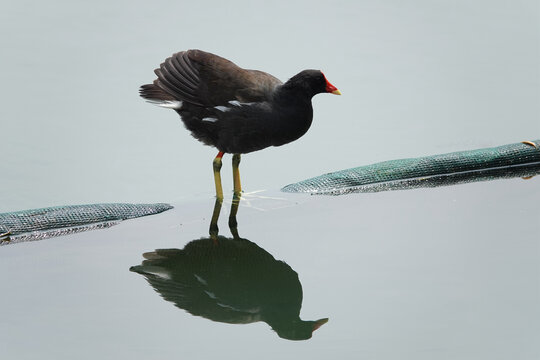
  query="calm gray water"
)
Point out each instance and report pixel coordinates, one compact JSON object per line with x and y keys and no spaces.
{"x":445,"y":273}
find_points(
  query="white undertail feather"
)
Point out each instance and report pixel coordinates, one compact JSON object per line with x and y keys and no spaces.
{"x":169,"y":104}
{"x":158,"y":272}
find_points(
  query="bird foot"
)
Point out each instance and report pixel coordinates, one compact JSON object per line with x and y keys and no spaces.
{"x":5,"y":237}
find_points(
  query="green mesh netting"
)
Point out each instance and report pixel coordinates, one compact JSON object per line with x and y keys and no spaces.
{"x":61,"y":220}
{"x":464,"y":166}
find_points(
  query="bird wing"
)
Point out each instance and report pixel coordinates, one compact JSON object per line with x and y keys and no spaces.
{"x":205,"y":79}
{"x":186,"y":290}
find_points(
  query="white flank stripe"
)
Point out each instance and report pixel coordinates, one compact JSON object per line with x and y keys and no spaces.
{"x":238,"y":103}
{"x":200,"y":279}
{"x":222,"y":108}
{"x":210,"y":119}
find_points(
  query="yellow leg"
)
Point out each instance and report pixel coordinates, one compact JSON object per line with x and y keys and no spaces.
{"x":214,"y":230}
{"x":233,"y":224}
{"x":217,"y":176}
{"x":236,"y":174}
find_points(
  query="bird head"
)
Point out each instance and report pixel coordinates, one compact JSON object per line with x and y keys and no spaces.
{"x":311,"y":82}
{"x":299,"y":330}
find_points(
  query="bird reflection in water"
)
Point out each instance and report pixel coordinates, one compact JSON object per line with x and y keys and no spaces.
{"x":230,"y":280}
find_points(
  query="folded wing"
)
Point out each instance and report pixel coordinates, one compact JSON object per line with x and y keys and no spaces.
{"x":207,"y":80}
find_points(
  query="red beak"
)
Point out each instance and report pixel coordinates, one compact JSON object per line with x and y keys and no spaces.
{"x":320,"y":322}
{"x":331,"y":88}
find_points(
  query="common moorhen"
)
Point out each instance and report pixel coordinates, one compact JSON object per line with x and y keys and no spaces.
{"x":233,"y":109}
{"x":230,"y":281}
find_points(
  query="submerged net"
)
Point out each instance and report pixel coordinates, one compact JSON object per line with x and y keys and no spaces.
{"x":61,"y":220}
{"x":458,"y":167}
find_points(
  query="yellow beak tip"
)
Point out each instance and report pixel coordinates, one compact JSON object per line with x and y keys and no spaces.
{"x":336,"y":92}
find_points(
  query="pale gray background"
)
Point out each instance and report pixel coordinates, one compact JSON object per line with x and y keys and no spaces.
{"x":417,"y":77}
{"x":446,"y":273}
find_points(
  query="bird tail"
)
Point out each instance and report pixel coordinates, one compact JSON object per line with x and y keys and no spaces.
{"x":157,"y":96}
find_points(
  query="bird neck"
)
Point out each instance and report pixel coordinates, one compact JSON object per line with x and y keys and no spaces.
{"x":294,"y":106}
{"x":292,"y":94}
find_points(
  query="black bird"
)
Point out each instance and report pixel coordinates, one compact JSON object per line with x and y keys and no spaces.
{"x":233,"y":109}
{"x":231,"y":281}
